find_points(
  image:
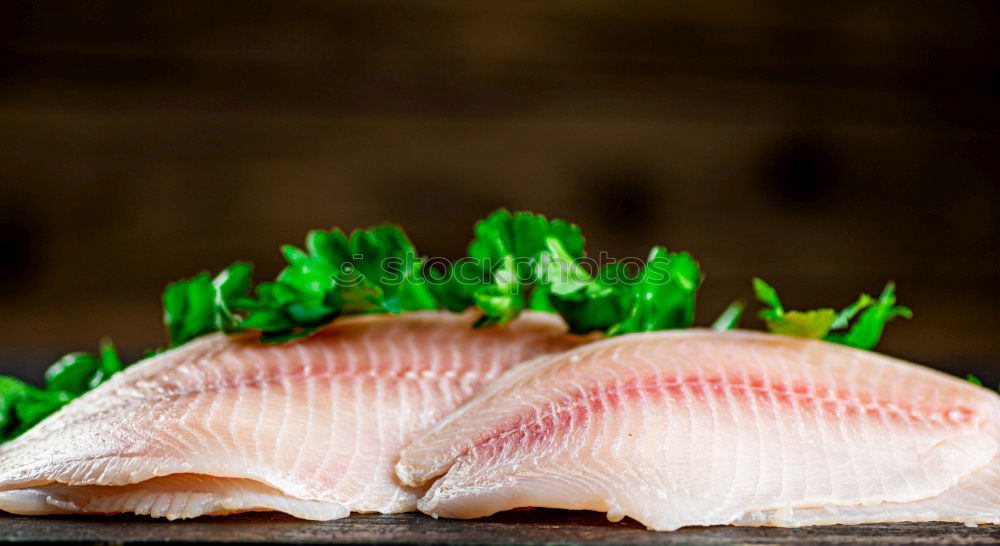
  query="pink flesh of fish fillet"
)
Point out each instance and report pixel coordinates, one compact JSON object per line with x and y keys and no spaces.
{"x":697,"y":427}
{"x":226,"y":424}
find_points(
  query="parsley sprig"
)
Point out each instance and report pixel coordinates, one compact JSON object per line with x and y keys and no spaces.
{"x":516,"y":261}
{"x":22,"y":406}
{"x":871,"y":316}
{"x":202,"y":305}
{"x":524,"y":260}
{"x":372,"y":271}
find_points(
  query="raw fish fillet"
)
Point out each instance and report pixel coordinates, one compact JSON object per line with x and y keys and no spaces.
{"x":225,"y":424}
{"x":696,"y":427}
{"x":174,"y":496}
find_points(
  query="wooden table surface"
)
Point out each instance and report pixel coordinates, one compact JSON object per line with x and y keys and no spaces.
{"x":535,"y":527}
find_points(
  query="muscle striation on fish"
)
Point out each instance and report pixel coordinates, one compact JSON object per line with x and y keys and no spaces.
{"x":697,"y":427}
{"x":226,"y":424}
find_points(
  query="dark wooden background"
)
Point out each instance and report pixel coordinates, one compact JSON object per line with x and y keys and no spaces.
{"x":827,"y":146}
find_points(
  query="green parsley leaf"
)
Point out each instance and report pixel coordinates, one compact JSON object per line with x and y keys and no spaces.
{"x":539,"y":301}
{"x":527,"y":260}
{"x":230,"y":286}
{"x":72,"y":373}
{"x":585,"y":303}
{"x":811,"y":324}
{"x":507,"y":250}
{"x":869,"y":317}
{"x":23,"y":406}
{"x":202,"y":305}
{"x":867,"y":330}
{"x":730,"y":316}
{"x":373,"y":271}
{"x":768,"y":296}
{"x":664,"y":297}
{"x":76,"y":373}
{"x":454,"y":287}
{"x":109,"y":364}
{"x":11,"y":391}
{"x":35,"y":405}
{"x":844,"y":317}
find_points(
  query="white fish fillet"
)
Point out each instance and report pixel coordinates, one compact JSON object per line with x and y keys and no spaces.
{"x":226,"y":424}
{"x":975,"y":499}
{"x":174,"y":497}
{"x":696,"y":427}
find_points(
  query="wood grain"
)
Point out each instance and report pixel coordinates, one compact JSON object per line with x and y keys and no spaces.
{"x":534,"y":527}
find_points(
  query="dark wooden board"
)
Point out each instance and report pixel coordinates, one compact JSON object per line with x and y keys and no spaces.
{"x":535,"y":527}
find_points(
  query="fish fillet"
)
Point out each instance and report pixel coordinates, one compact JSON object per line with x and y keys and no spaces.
{"x":226,"y":424}
{"x":697,"y":427}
